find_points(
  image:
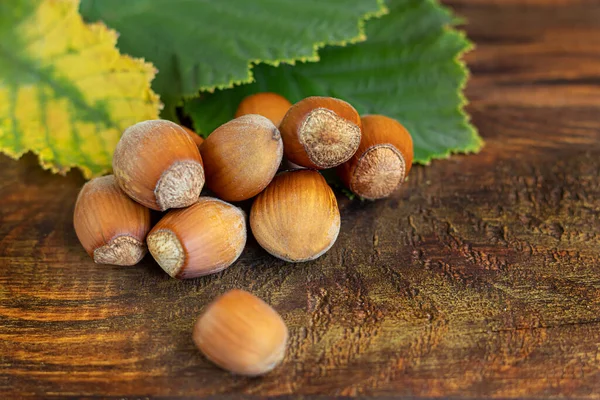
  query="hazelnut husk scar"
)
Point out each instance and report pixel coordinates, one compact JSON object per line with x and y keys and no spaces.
{"x":320,"y":132}
{"x":382,"y":161}
{"x":158,"y":164}
{"x":202,"y":239}
{"x":111,"y":227}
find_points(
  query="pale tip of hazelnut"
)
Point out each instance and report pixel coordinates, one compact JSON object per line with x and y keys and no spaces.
{"x":329,"y":140}
{"x":273,"y":360}
{"x":379,"y":172}
{"x":277,"y":356}
{"x":122,"y":250}
{"x":180,"y":185}
{"x":167,"y":250}
{"x":332,"y":234}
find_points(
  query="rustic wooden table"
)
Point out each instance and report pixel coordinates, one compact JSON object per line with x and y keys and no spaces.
{"x":480,"y":279}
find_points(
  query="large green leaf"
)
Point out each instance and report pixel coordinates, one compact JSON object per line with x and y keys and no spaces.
{"x":208,"y":44}
{"x":409,"y":69}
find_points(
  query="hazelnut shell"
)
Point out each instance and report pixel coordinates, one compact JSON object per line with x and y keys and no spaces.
{"x":382,"y":161}
{"x":111,"y":227}
{"x":296,"y":218}
{"x":320,"y":132}
{"x":195,"y":137}
{"x":270,"y":105}
{"x":158,"y":165}
{"x":202,"y":239}
{"x":241,"y":157}
{"x":241,"y":333}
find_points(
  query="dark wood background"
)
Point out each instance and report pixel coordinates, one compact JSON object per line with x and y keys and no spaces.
{"x":480,"y":279}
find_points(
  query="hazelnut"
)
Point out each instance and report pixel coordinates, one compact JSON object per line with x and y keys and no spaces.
{"x":383,"y":159}
{"x":296,"y":218}
{"x":269,"y":105}
{"x":202,"y":239}
{"x":320,"y":132}
{"x":195,"y":137}
{"x":241,"y":157}
{"x":241,"y":333}
{"x":158,"y":165}
{"x":110,"y":226}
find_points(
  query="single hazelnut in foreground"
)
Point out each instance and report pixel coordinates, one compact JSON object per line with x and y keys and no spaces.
{"x":158,"y":165}
{"x":382,"y":161}
{"x":269,"y":105}
{"x":241,"y":157}
{"x":296,"y":218}
{"x":195,"y":137}
{"x":202,"y":239}
{"x":241,"y":333}
{"x":110,"y":226}
{"x":320,"y":132}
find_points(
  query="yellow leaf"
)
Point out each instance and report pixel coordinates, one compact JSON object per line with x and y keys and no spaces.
{"x":66,"y":93}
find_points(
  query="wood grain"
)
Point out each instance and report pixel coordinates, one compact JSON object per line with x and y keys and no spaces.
{"x":480,"y":279}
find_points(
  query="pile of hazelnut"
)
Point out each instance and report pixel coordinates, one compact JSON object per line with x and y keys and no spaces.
{"x":162,"y":166}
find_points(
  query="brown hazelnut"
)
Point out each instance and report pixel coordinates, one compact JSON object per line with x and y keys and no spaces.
{"x":202,"y":239}
{"x":383,"y":160}
{"x":110,"y":226}
{"x":241,"y":157}
{"x":158,"y":165}
{"x":296,"y":218}
{"x":320,"y":132}
{"x":269,"y":105}
{"x":195,"y":137}
{"x":241,"y":333}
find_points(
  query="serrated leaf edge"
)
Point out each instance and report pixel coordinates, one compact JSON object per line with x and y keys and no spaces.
{"x":361,"y":37}
{"x":151,"y":71}
{"x":477,"y":141}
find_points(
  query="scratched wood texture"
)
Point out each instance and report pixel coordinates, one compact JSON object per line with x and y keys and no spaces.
{"x":480,"y":279}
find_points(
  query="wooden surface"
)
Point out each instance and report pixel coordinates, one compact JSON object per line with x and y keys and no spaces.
{"x":480,"y":279}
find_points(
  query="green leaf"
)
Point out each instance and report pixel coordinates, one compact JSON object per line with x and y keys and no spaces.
{"x":208,"y":44}
{"x":65,"y":91}
{"x":409,"y":69}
